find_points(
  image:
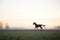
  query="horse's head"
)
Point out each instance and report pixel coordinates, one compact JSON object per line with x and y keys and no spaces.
{"x":34,"y":23}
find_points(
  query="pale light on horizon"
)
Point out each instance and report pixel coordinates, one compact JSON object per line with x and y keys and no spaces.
{"x":23,"y":13}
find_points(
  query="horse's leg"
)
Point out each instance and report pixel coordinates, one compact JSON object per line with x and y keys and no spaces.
{"x":34,"y":28}
{"x":37,"y":28}
{"x":41,"y":27}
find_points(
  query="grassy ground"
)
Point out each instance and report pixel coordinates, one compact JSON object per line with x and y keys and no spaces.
{"x":29,"y":35}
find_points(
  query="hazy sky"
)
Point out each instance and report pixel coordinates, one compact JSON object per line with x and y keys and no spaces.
{"x":23,"y":13}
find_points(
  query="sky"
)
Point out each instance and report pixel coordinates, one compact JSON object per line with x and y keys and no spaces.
{"x":22,"y":13}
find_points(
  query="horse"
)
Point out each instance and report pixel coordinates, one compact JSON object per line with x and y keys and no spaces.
{"x":38,"y":25}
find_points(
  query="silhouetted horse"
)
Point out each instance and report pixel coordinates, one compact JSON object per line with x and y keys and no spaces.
{"x":38,"y":25}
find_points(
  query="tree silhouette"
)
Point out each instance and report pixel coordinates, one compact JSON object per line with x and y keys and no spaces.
{"x":1,"y":25}
{"x":7,"y":26}
{"x":57,"y":27}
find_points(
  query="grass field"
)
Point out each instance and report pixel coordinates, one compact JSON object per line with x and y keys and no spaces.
{"x":29,"y":35}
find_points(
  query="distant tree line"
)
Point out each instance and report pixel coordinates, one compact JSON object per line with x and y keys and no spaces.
{"x":6,"y":25}
{"x":57,"y":27}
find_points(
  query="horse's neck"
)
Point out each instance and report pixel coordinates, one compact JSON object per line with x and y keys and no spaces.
{"x":35,"y":24}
